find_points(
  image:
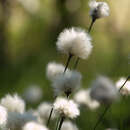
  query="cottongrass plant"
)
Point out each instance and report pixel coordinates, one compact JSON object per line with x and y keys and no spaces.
{"x":16,"y":121}
{"x":13,"y":103}
{"x":43,"y":111}
{"x":126,"y":89}
{"x":66,"y":108}
{"x":97,"y":10}
{"x":67,"y":83}
{"x":82,"y":97}
{"x":68,"y":125}
{"x":13,"y":119}
{"x":53,"y":69}
{"x":3,"y":116}
{"x":74,"y":42}
{"x":33,"y":94}
{"x":109,"y":105}
{"x":34,"y":126}
{"x":104,"y":90}
{"x":62,"y":82}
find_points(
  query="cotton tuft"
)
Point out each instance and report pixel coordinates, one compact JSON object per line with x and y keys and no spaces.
{"x":75,"y":41}
{"x":13,"y":103}
{"x":54,"y":69}
{"x":37,"y":115}
{"x":126,"y":88}
{"x":34,"y":126}
{"x":33,"y":94}
{"x":16,"y":121}
{"x":3,"y":116}
{"x":66,"y":107}
{"x":98,"y":9}
{"x":103,"y":90}
{"x":44,"y":110}
{"x":68,"y":125}
{"x":83,"y":97}
{"x":67,"y":82}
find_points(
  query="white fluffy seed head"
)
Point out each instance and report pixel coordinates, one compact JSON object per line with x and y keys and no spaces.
{"x":37,"y":115}
{"x":98,"y":9}
{"x":67,"y":82}
{"x":126,"y":89}
{"x":54,"y":69}
{"x":80,"y":97}
{"x":103,"y":90}
{"x":66,"y":107}
{"x":13,"y":103}
{"x":33,"y":94}
{"x":16,"y":121}
{"x":3,"y":116}
{"x":44,"y":110}
{"x":83,"y":97}
{"x":68,"y":125}
{"x":34,"y":126}
{"x":75,"y":41}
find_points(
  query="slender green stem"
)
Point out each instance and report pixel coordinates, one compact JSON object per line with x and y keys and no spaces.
{"x":91,"y":25}
{"x":124,"y":83}
{"x":68,"y":61}
{"x":89,"y":29}
{"x":101,"y":117}
{"x":76,"y":63}
{"x":108,"y":106}
{"x":50,"y":116}
{"x":67,"y":64}
{"x":60,"y":123}
{"x":57,"y":122}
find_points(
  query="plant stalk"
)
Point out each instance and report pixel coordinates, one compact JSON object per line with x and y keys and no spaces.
{"x":67,"y":63}
{"x":91,"y":25}
{"x":89,"y":29}
{"x":124,"y":83}
{"x":101,"y":117}
{"x":107,"y":107}
{"x":76,"y":63}
{"x":50,"y":116}
{"x":60,"y":123}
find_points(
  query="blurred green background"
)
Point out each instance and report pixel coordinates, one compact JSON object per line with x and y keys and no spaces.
{"x":29,"y":31}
